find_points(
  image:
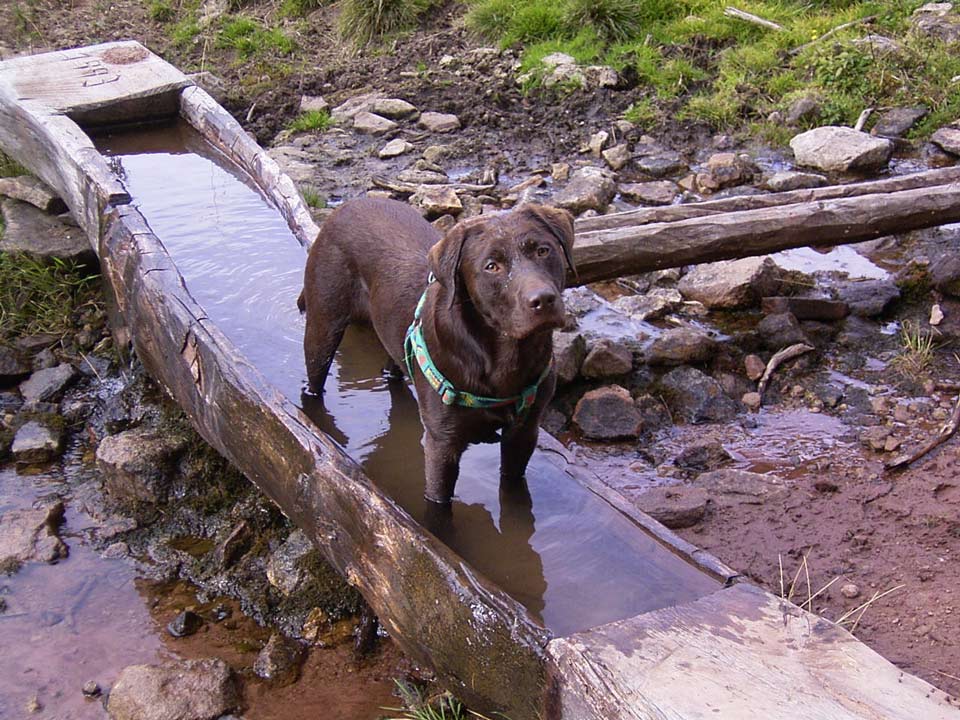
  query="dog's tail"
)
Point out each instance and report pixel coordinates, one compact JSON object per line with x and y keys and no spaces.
{"x":301,"y":302}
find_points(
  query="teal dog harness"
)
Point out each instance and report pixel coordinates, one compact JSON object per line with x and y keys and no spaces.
{"x":415,"y":346}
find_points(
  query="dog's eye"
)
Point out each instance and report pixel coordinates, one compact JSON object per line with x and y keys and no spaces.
{"x":491,"y":266}
{"x":543,"y":251}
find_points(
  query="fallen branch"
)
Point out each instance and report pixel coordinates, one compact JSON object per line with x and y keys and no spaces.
{"x":834,"y":31}
{"x":946,"y":432}
{"x":751,"y":18}
{"x":780,"y":357}
{"x":403,"y":188}
{"x":862,"y":119}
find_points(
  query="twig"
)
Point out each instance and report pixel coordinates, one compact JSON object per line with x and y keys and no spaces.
{"x":751,"y":18}
{"x":945,"y":433}
{"x":780,"y":357}
{"x":862,"y":608}
{"x":828,"y":33}
{"x":250,"y":111}
{"x":952,"y":677}
{"x":87,"y":361}
{"x":862,"y":120}
{"x":810,"y":599}
{"x":780,"y":563}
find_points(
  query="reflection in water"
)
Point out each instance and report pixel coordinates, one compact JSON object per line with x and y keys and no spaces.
{"x":554,"y":546}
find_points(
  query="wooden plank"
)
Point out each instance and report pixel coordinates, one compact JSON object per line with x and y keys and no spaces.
{"x":738,"y":653}
{"x":608,"y":254}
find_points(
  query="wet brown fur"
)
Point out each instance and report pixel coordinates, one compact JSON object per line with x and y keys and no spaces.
{"x":488,"y":331}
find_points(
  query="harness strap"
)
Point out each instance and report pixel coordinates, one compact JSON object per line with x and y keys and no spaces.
{"x":415,"y":347}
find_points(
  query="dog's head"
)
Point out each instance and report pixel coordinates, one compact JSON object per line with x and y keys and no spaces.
{"x":510,"y":266}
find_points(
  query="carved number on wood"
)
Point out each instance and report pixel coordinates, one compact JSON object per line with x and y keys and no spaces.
{"x":92,"y":70}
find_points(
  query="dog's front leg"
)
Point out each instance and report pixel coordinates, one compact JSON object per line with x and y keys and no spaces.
{"x":516,"y":447}
{"x":442,"y":467}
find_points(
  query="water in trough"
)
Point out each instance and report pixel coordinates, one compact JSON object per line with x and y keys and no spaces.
{"x":564,"y":553}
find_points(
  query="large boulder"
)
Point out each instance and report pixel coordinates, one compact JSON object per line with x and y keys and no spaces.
{"x":696,"y":397}
{"x":589,"y":188}
{"x":175,"y":690}
{"x":731,"y":283}
{"x":43,"y":237}
{"x":676,"y":506}
{"x":49,"y":384}
{"x":868,"y":298}
{"x":137,"y":464}
{"x":841,"y":149}
{"x":608,"y":413}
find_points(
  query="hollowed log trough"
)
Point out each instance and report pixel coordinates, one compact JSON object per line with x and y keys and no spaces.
{"x":738,"y":652}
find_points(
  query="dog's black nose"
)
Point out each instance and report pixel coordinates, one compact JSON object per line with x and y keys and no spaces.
{"x":542,"y":300}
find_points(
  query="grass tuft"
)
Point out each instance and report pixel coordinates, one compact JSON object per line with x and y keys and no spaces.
{"x":363,"y":21}
{"x":917,"y":346}
{"x":613,"y":20}
{"x":313,"y":198}
{"x":162,"y":11}
{"x":249,"y":38}
{"x":318,"y":120}
{"x":419,"y":707}
{"x":10,"y":167}
{"x":298,"y":8}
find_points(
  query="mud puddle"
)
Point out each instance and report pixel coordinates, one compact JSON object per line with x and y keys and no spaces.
{"x":564,"y":553}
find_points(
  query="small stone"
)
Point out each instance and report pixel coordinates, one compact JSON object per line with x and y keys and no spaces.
{"x":754,"y":366}
{"x":367,"y":122}
{"x":601,"y":76}
{"x":681,"y":346}
{"x":731,"y":284}
{"x":43,"y":237}
{"x":313,"y":103}
{"x":415,"y":176}
{"x":901,"y":413}
{"x":279,"y":661}
{"x":850,"y":591}
{"x":36,"y":443}
{"x":597,"y":142}
{"x":181,"y":689}
{"x":607,"y":359}
{"x":444,"y":223}
{"x":393,"y":108}
{"x":31,"y":535}
{"x":653,"y":305}
{"x":394,"y":148}
{"x":841,"y":149}
{"x":284,"y":570}
{"x":435,"y":202}
{"x":33,"y":705}
{"x":557,"y":58}
{"x":569,"y":351}
{"x":804,"y":308}
{"x":48,"y":385}
{"x":656,"y":160}
{"x":948,"y":139}
{"x":804,"y":109}
{"x":780,"y":330}
{"x":607,"y":413}
{"x":696,"y":397}
{"x":868,"y":298}
{"x":875,"y":437}
{"x":34,"y":191}
{"x":348,"y":109}
{"x":787,"y":180}
{"x":91,"y":689}
{"x":658,"y":192}
{"x":676,"y":507}
{"x":896,"y":122}
{"x":702,"y":455}
{"x":588,"y":188}
{"x":725,"y":170}
{"x":944,"y":272}
{"x":742,"y":487}
{"x":560,"y":172}
{"x":439,"y":122}
{"x":137,"y":464}
{"x":617,"y":157}
{"x":752,"y":400}
{"x":891,"y":444}
{"x":938,"y":21}
{"x":936,"y":314}
{"x":13,"y":364}
{"x":184,"y":624}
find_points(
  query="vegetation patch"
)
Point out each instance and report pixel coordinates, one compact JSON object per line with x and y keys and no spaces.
{"x":311,"y":120}
{"x":363,"y":21}
{"x":249,"y":38}
{"x":10,"y":167}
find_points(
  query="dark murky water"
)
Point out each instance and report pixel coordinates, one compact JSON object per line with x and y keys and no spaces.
{"x":564,"y":553}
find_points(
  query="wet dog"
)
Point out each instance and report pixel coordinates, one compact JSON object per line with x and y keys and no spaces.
{"x":469,"y":315}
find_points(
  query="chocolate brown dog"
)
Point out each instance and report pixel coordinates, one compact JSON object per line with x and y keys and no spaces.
{"x":480,"y":350}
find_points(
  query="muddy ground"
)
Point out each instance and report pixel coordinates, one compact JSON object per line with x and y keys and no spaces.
{"x":837,"y":514}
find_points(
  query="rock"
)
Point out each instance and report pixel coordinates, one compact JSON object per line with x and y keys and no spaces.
{"x":681,"y":346}
{"x":752,"y":401}
{"x":435,"y":202}
{"x":284,"y":569}
{"x":754,"y":367}
{"x":731,"y":283}
{"x":444,"y":223}
{"x":31,"y":535}
{"x":34,"y":191}
{"x":48,"y":385}
{"x":696,"y":397}
{"x":875,"y":437}
{"x":948,"y":139}
{"x":617,"y":157}
{"x":43,"y":237}
{"x":850,"y":591}
{"x":656,"y":160}
{"x":279,"y":660}
{"x":597,"y":142}
{"x":938,"y":21}
{"x":702,"y":455}
{"x":393,"y":108}
{"x":936,"y":314}
{"x":806,"y":308}
{"x":896,"y":122}
{"x":589,"y":188}
{"x":347,"y":110}
{"x":725,"y":170}
{"x":569,"y":350}
{"x":841,"y":149}
{"x":780,"y":330}
{"x":14,"y":364}
{"x":367,"y":122}
{"x":607,"y":413}
{"x":137,"y":464}
{"x":36,"y":443}
{"x":175,"y":690}
{"x":91,"y":689}
{"x":211,"y":84}
{"x":394,"y":148}
{"x":295,"y":162}
{"x":210,"y":10}
{"x":658,"y":192}
{"x":676,"y":507}
{"x":868,"y":298}
{"x":803,"y":110}
{"x":607,"y":359}
{"x":944,"y":273}
{"x":184,"y":624}
{"x":742,"y":487}
{"x":601,"y":76}
{"x":787,"y":180}
{"x":654,"y":415}
{"x":233,"y":546}
{"x":313,"y":103}
{"x":439,"y":122}
{"x":878,"y":45}
{"x":566,"y":75}
{"x":653,"y":305}
{"x":557,"y":58}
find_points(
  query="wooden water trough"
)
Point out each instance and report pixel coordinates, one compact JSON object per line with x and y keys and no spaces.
{"x":736,"y":652}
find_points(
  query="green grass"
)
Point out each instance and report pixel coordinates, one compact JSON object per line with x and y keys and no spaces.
{"x":298,"y":8}
{"x":185,"y":32}
{"x":917,"y":346}
{"x":162,"y":11}
{"x":694,"y":62}
{"x":42,"y":297}
{"x":313,"y":198}
{"x":249,"y":38}
{"x":364,"y":21}
{"x":10,"y":167}
{"x":419,"y":707}
{"x":318,"y":120}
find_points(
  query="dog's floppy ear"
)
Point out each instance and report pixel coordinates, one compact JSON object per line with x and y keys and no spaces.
{"x":559,"y":223}
{"x":444,"y":258}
